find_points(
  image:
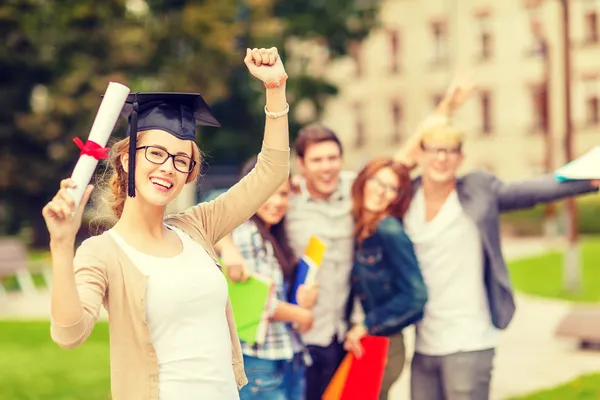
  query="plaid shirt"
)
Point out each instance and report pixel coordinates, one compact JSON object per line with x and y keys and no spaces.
{"x":281,"y":340}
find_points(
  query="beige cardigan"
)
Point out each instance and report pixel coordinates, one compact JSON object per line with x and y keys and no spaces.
{"x":105,"y":276}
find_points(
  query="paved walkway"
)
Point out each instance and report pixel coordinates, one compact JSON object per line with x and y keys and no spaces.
{"x":529,"y":357}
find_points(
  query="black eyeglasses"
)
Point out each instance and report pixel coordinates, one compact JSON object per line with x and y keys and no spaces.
{"x":158,"y":155}
{"x":388,"y":189}
{"x":448,"y":151}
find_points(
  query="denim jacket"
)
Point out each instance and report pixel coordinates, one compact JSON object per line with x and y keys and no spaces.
{"x":387,"y":280}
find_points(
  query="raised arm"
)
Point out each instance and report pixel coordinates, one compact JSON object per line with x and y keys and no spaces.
{"x":226,"y":212}
{"x":544,"y":189}
{"x":459,"y":91}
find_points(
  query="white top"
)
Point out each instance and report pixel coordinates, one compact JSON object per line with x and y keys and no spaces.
{"x":186,"y":297}
{"x":457,"y":316}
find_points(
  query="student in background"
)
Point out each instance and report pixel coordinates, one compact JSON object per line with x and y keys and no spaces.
{"x":453,"y":222}
{"x":322,"y":207}
{"x":385,"y":277}
{"x":275,"y":369}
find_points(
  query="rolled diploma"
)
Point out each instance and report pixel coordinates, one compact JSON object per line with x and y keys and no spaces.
{"x":106,"y":118}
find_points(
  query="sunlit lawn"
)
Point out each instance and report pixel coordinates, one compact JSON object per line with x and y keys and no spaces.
{"x":583,"y":388}
{"x":36,"y":258}
{"x":32,"y":367}
{"x":543,"y":275}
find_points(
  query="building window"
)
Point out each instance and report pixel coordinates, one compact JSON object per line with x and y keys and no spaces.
{"x":593,"y":110}
{"x":591,"y":27}
{"x":355,"y":53}
{"x":485,"y":36}
{"x":394,"y":41}
{"x":485,"y":104}
{"x":437,"y":99}
{"x":538,"y":46}
{"x":396,"y":111}
{"x":359,"y":125}
{"x":439,"y":32}
{"x":540,"y":106}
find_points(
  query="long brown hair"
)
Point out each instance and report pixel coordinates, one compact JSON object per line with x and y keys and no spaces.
{"x":276,"y":235}
{"x":366,"y":222}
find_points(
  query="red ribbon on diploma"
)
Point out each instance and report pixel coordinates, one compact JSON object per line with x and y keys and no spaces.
{"x":92,"y":149}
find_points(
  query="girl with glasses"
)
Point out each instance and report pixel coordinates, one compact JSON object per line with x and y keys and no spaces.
{"x":385,"y":277}
{"x":172,"y":332}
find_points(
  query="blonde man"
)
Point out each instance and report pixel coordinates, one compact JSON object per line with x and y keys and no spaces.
{"x":454,"y":225}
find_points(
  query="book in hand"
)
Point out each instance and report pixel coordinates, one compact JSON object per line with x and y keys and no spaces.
{"x":250,"y":302}
{"x":308,"y":266}
{"x":586,"y":167}
{"x":360,"y":379}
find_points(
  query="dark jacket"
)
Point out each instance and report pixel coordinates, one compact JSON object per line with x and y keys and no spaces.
{"x":387,"y":280}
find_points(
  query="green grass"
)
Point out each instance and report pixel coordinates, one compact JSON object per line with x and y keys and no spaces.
{"x":32,"y":367}
{"x":11,"y":284}
{"x":543,"y":275}
{"x":586,"y":387}
{"x":39,"y":255}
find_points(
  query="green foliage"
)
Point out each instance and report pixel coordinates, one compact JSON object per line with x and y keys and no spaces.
{"x":543,"y":275}
{"x":34,"y":368}
{"x":530,"y":222}
{"x":335,"y":23}
{"x":586,"y":387}
{"x":60,"y":56}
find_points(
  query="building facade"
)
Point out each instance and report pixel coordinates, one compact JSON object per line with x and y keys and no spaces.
{"x":514,"y":124}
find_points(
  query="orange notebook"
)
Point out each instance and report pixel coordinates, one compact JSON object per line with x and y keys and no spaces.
{"x":360,"y":379}
{"x":336,"y":385}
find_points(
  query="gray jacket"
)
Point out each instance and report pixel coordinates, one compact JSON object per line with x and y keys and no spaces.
{"x":483,"y":197}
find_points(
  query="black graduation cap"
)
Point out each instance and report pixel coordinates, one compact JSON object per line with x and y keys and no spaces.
{"x":175,"y":113}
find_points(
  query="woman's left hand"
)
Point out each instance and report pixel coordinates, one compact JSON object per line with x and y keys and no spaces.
{"x":266,"y":65}
{"x":307,"y":295}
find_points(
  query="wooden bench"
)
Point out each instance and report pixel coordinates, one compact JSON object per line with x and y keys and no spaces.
{"x":583,"y":325}
{"x":13,"y":261}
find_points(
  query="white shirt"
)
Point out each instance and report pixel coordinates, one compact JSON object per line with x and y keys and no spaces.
{"x":186,"y":299}
{"x":450,"y":253}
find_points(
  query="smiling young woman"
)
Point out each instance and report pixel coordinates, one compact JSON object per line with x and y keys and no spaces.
{"x":172,"y":332}
{"x":385,"y":276}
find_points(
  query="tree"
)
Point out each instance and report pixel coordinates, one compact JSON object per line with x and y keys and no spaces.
{"x":332,"y":25}
{"x":60,"y":57}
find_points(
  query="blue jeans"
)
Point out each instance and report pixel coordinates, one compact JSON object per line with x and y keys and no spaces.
{"x":273,"y":379}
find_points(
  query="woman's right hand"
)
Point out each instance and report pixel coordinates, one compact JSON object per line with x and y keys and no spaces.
{"x":63,"y":220}
{"x":353,"y":338}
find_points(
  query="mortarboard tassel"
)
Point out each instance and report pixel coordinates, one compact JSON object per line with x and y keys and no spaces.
{"x":132,"y":149}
